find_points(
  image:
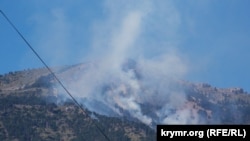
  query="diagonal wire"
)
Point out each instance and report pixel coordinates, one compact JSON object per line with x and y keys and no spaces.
{"x":54,"y":75}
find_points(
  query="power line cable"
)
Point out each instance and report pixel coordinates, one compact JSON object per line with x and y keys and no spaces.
{"x":54,"y":75}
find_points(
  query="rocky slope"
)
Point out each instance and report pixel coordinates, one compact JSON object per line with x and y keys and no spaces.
{"x":33,"y":107}
{"x":29,"y":112}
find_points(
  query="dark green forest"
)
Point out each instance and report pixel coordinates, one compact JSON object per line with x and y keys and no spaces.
{"x":32,"y":114}
{"x":27,"y":117}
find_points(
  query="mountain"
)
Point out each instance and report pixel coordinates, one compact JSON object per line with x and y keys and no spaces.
{"x":29,"y":112}
{"x":33,"y":106}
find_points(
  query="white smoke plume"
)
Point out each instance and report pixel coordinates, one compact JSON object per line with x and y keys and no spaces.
{"x":136,"y":61}
{"x":118,"y":85}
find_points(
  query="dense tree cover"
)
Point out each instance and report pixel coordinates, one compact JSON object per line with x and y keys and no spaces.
{"x":30,"y":117}
{"x":29,"y":111}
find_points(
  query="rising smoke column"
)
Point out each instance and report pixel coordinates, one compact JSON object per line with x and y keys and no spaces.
{"x":115,"y":85}
{"x":135,"y":60}
{"x":145,"y":32}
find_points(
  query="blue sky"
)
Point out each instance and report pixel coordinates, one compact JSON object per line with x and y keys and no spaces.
{"x":212,"y":37}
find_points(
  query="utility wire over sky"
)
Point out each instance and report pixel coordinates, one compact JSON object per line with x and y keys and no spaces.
{"x":53,"y":74}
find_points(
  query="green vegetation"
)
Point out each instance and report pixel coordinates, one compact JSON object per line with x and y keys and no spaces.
{"x":29,"y":114}
{"x":28,"y":111}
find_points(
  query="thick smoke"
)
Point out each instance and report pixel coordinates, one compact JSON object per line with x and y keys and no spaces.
{"x":135,"y":63}
{"x":136,"y":69}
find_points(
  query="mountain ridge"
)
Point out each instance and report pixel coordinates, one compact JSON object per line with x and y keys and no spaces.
{"x":30,"y":91}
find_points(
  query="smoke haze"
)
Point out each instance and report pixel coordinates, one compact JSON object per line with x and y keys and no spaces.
{"x":133,"y":54}
{"x":136,"y":53}
{"x":132,"y":66}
